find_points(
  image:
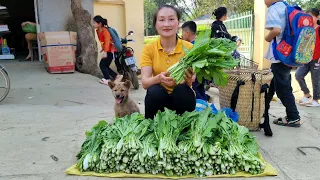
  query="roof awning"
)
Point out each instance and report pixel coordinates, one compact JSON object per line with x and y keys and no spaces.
{"x":3,"y":7}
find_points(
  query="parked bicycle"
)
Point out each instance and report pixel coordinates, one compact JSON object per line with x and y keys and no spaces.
{"x":4,"y":83}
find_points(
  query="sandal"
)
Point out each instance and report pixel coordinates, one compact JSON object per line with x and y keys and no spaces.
{"x":104,"y":81}
{"x":285,"y":122}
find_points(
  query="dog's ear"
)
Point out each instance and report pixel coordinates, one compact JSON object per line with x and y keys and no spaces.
{"x":111,"y":84}
{"x":127,"y":84}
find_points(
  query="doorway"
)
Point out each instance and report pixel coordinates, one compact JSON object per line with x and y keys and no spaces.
{"x":18,"y":12}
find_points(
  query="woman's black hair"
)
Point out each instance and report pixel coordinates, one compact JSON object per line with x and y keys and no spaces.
{"x":99,"y":19}
{"x":220,"y":12}
{"x":314,"y":12}
{"x":166,"y":6}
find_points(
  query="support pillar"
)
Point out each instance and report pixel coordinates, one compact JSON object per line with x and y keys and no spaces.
{"x":260,"y":45}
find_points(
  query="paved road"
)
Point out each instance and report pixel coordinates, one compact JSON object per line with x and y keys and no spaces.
{"x":47,"y":115}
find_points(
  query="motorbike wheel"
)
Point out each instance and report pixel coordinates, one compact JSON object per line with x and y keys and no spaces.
{"x":4,"y":91}
{"x":134,"y":79}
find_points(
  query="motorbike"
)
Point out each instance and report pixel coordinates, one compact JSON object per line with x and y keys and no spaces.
{"x":127,"y":62}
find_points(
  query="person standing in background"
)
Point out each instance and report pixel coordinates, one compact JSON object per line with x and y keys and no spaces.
{"x":281,"y":82}
{"x":108,"y":48}
{"x":313,"y":67}
{"x":31,"y":29}
{"x":218,"y":29}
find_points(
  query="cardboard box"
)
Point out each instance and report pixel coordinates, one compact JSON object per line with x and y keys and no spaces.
{"x":73,"y":39}
{"x":57,"y":52}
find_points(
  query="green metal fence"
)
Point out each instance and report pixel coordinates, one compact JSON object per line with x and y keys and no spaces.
{"x":242,"y":25}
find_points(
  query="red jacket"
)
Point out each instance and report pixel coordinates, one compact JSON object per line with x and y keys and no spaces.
{"x":106,"y":40}
{"x":316,"y":54}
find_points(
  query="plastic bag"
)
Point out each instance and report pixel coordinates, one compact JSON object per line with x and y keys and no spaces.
{"x":28,"y":28}
{"x":202,"y":105}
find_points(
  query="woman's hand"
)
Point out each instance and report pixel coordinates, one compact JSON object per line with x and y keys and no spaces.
{"x":166,"y":80}
{"x":189,"y":77}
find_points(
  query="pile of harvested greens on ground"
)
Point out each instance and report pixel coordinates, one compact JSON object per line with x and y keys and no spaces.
{"x":197,"y":143}
{"x":208,"y":58}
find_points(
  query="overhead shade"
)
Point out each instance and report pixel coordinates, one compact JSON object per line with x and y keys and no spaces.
{"x":2,"y":7}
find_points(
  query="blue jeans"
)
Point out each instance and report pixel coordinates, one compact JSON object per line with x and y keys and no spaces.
{"x":315,"y":77}
{"x":281,"y":84}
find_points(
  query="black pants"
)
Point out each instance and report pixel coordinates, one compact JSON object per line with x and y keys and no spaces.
{"x":182,"y":99}
{"x":281,"y":84}
{"x":105,"y":65}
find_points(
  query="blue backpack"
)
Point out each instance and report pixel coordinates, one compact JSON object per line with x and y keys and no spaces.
{"x":297,"y":44}
{"x":116,"y":39}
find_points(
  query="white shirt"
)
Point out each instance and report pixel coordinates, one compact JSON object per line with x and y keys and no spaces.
{"x":276,"y":18}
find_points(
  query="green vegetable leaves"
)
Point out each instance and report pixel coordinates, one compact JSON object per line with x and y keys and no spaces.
{"x":198,"y":143}
{"x":208,"y":58}
{"x":92,"y":146}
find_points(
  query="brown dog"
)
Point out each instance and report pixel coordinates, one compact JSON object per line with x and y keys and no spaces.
{"x":123,"y":105}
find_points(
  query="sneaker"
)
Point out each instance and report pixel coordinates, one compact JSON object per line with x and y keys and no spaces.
{"x":305,"y":100}
{"x":313,"y":104}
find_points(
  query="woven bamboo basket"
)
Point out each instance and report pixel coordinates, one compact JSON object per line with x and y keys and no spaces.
{"x":250,"y":114}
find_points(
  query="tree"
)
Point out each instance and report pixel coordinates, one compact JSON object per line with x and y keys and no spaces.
{"x":150,"y":8}
{"x":305,"y":4}
{"x":242,"y":6}
{"x":87,"y":60}
{"x":198,"y":8}
{"x":193,"y":9}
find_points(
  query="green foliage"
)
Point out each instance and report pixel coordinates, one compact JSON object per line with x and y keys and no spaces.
{"x":192,"y":9}
{"x":208,"y":58}
{"x":197,"y":143}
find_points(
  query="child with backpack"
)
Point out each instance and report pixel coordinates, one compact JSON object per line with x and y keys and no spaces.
{"x":286,"y":51}
{"x":313,"y":67}
{"x":108,"y":48}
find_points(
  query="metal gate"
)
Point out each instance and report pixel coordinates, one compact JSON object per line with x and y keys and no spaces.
{"x":241,"y":25}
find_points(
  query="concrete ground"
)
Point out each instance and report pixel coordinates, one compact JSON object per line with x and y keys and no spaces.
{"x":46,"y":116}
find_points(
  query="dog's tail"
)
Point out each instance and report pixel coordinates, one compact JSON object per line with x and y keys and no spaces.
{"x":118,"y":79}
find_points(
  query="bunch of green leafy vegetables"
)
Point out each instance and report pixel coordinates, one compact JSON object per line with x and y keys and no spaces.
{"x":90,"y":152}
{"x":215,"y":144}
{"x":123,"y":144}
{"x":208,"y":58}
{"x":167,"y":128}
{"x":200,"y":143}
